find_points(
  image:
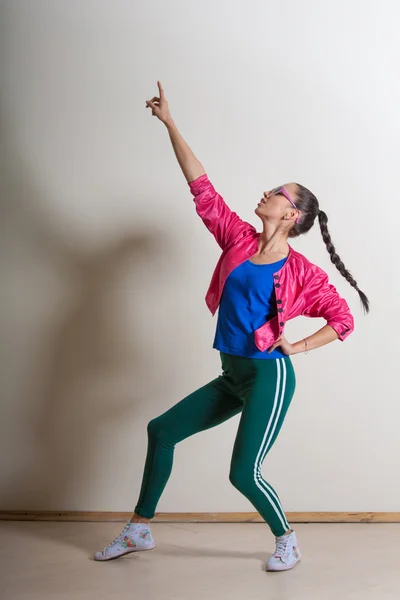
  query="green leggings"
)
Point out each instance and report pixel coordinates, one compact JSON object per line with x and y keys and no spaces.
{"x":261,"y":390}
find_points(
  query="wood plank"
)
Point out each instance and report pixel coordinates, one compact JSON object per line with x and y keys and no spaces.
{"x":241,"y":517}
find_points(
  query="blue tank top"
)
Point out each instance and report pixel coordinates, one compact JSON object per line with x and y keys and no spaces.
{"x":247,"y":302}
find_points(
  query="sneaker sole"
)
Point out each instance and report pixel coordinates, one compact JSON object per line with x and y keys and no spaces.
{"x":123,"y":553}
{"x":271,"y":570}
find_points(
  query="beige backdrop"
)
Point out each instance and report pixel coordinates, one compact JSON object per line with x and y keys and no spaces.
{"x":104,"y":264}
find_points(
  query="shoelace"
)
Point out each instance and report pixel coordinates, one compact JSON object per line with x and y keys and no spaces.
{"x":117,"y":539}
{"x":282,"y":547}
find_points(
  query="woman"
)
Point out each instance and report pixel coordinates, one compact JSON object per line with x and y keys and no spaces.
{"x":259,"y":284}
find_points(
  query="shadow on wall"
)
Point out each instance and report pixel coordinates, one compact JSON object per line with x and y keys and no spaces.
{"x":73,"y":369}
{"x":84,"y":393}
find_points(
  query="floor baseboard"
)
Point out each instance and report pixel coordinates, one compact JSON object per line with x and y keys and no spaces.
{"x":228,"y":517}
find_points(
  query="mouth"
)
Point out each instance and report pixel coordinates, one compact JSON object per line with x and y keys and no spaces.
{"x":262,"y":201}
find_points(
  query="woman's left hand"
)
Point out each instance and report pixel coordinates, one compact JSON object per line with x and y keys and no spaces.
{"x":284,"y":345}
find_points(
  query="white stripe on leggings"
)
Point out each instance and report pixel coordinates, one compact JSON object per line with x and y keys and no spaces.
{"x":268,"y":435}
{"x":268,"y":443}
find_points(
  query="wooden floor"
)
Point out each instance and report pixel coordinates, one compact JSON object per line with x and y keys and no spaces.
{"x":52,"y":560}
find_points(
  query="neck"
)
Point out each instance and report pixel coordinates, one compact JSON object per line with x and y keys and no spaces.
{"x":272,"y":240}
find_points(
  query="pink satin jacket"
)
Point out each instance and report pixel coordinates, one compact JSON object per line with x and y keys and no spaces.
{"x":301,"y":288}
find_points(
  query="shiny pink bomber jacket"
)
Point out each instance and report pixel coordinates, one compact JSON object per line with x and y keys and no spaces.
{"x":301,"y":288}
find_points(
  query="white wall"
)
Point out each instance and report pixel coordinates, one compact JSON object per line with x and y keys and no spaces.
{"x":104,"y":265}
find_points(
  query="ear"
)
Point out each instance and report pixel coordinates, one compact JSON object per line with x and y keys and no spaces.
{"x":292,"y":215}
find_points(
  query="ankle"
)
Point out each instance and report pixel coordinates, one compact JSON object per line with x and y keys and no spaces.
{"x":286,"y":534}
{"x":138,"y":519}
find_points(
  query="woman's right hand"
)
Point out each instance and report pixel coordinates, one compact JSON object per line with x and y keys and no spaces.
{"x":190,"y":165}
{"x":159,"y":106}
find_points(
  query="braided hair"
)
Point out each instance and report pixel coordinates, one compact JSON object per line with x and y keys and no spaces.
{"x":308,"y":205}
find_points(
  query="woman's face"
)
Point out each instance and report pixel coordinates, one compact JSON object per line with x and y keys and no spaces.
{"x":274,"y":206}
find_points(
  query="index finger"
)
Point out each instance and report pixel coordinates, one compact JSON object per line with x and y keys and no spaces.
{"x":160,"y":87}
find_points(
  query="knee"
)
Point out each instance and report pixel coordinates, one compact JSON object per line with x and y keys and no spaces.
{"x":241,"y":478}
{"x":153,"y":428}
{"x":159,"y":432}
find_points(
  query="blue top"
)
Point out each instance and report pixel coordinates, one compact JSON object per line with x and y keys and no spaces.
{"x":247,"y":302}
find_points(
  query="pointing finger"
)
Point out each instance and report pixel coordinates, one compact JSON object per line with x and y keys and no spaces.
{"x":160,"y":87}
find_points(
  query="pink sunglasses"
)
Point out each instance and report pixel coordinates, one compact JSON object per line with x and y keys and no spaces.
{"x":281,"y":190}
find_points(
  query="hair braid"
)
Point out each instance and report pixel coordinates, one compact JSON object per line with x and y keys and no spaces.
{"x":336,"y":260}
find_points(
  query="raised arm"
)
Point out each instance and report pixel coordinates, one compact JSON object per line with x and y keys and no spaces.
{"x":190,"y":165}
{"x":220,"y":220}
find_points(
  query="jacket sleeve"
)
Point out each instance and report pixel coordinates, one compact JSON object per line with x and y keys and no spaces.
{"x":323,"y":300}
{"x":220,"y":220}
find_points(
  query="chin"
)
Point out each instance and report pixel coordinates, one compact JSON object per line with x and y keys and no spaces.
{"x":258,"y":211}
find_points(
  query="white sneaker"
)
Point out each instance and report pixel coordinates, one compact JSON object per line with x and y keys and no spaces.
{"x":133,"y":537}
{"x":286,"y":555}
